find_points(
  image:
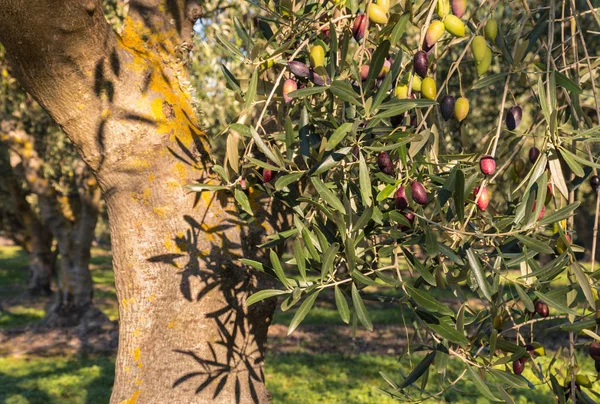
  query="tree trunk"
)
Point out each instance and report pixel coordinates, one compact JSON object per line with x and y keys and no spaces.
{"x":186,"y":335}
{"x":41,"y":260}
{"x":28,"y":231}
{"x":73,"y":299}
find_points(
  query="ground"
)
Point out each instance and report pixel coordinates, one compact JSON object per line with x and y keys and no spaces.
{"x":320,"y":362}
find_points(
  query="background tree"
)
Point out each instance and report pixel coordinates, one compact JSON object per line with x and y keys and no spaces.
{"x":23,"y":226}
{"x":55,"y":197}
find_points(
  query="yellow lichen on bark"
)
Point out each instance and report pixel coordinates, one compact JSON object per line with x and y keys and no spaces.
{"x":154,"y":54}
{"x":161,"y":211}
{"x":133,"y":399}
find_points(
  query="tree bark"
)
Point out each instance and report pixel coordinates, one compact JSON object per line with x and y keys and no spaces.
{"x":185,"y":334}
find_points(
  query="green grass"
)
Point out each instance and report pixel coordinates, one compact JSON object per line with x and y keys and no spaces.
{"x":18,"y":316}
{"x":292,"y":377}
{"x":13,"y":267}
{"x":327,"y":378}
{"x":13,"y":281}
{"x":56,"y":380}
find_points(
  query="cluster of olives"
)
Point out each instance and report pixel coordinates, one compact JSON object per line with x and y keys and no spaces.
{"x":582,"y":380}
{"x":532,"y":351}
{"x":418,"y":192}
{"x":543,"y":311}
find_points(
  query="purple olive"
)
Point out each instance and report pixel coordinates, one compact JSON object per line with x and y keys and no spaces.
{"x":534,"y":154}
{"x":541,"y":308}
{"x":421,"y":63}
{"x":410,"y":216}
{"x":299,"y":69}
{"x":267,"y":175}
{"x":595,"y":350}
{"x":458,"y":7}
{"x":518,"y":366}
{"x":530,"y":350}
{"x":316,"y":79}
{"x":397,"y":120}
{"x":513,"y":118}
{"x":447,"y":107}
{"x":385,"y":163}
{"x":359,"y":27}
{"x":401,"y":200}
{"x":595,"y":183}
{"x":419,"y":194}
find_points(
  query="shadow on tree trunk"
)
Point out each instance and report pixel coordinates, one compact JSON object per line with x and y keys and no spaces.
{"x":235,"y":356}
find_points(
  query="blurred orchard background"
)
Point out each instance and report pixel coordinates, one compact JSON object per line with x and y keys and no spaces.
{"x":47,"y":196}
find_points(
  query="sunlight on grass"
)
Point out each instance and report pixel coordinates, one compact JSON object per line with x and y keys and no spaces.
{"x":13,"y":267}
{"x":56,"y":380}
{"x":17,"y":316}
{"x":327,"y":378}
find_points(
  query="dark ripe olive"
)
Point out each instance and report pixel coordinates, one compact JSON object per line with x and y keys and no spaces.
{"x":487,"y":164}
{"x":518,"y":366}
{"x":419,"y":194}
{"x":316,"y":79}
{"x":530,"y":350}
{"x":400,"y":199}
{"x":597,"y":364}
{"x":534,"y":153}
{"x":355,"y":151}
{"x":595,"y":183}
{"x":421,"y":63}
{"x":397,"y":120}
{"x":385,"y":163}
{"x":595,"y":350}
{"x":513,"y":118}
{"x":541,"y":308}
{"x":447,"y":107}
{"x":299,"y":69}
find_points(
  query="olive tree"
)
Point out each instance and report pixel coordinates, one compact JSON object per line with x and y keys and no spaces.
{"x":426,"y":149}
{"x":52,"y":198}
